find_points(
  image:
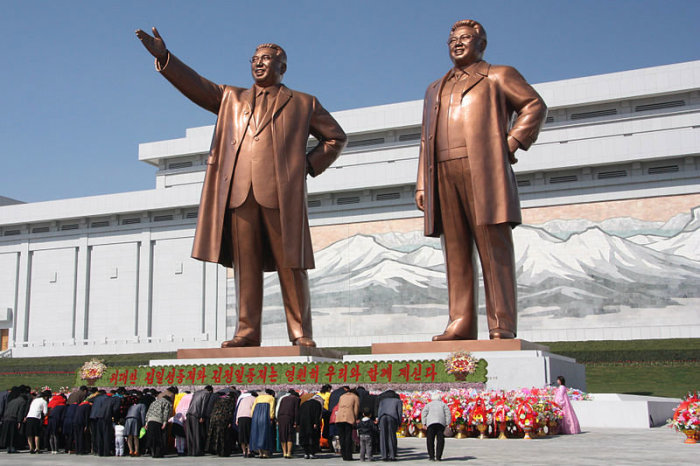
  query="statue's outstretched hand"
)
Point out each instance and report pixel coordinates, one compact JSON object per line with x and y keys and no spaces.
{"x":154,"y":44}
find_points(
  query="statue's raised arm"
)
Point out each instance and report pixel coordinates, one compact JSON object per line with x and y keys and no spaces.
{"x":198,"y":89}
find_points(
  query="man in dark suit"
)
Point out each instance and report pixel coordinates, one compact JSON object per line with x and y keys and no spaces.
{"x":389,"y":415}
{"x":253,"y":213}
{"x":101,"y":417}
{"x":196,"y":429}
{"x":466,"y":187}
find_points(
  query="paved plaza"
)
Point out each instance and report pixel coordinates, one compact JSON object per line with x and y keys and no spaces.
{"x":656,"y":446}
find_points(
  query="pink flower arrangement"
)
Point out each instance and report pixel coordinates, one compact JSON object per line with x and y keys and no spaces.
{"x":413,"y":404}
{"x":525,"y":415}
{"x":502,"y":410}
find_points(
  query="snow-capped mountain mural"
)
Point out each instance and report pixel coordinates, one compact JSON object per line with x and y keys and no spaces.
{"x":566,"y":269}
{"x":625,"y":227}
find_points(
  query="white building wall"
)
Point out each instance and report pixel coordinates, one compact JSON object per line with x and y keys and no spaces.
{"x":52,"y":289}
{"x":9,"y":268}
{"x":178,"y":289}
{"x":112,"y":291}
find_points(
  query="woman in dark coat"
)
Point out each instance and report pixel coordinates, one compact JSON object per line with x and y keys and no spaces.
{"x":17,"y":405}
{"x":220,"y":432}
{"x":287,"y":414}
{"x":67,"y":427}
{"x":310,"y":425}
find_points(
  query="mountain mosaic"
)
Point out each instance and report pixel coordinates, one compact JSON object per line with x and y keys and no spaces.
{"x":566,"y":268}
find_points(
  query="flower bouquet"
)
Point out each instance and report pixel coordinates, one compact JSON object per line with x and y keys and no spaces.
{"x":686,"y":418}
{"x":460,"y":364}
{"x":459,"y":409}
{"x":526,"y":416}
{"x":413,"y":405}
{"x":502,"y":414}
{"x":481,"y":416}
{"x":92,"y":370}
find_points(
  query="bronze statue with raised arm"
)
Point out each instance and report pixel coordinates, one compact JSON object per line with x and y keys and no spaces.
{"x":466,"y":187}
{"x":253,"y":214}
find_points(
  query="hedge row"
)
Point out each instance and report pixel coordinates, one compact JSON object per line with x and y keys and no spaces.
{"x":632,"y":355}
{"x":686,"y":349}
{"x":71,"y":363}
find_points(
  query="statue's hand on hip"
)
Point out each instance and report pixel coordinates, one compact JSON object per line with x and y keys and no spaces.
{"x":513,"y":145}
{"x":420,"y":200}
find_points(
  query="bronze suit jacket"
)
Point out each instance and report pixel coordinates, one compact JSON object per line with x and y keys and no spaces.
{"x":493,"y":93}
{"x":294,"y":117}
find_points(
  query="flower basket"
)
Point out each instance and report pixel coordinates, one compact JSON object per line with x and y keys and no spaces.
{"x":686,"y":417}
{"x":460,"y":364}
{"x":92,"y":371}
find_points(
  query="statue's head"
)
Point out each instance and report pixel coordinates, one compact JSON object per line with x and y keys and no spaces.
{"x":268,"y":64}
{"x":467,"y":42}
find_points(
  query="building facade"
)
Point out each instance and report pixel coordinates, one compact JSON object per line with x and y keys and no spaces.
{"x":609,"y":247}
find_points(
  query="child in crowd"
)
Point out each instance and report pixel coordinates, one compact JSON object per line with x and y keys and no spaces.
{"x":119,"y":438}
{"x":365,"y":428}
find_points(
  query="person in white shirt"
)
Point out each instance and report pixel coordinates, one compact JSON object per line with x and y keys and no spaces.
{"x":37,"y":410}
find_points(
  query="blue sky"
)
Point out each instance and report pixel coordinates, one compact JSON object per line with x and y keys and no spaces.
{"x":78,"y":92}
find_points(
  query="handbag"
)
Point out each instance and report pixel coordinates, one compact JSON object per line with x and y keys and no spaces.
{"x":333,"y":413}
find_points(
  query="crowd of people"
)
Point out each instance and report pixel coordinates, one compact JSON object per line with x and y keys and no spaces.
{"x":251,"y":423}
{"x":261,"y":423}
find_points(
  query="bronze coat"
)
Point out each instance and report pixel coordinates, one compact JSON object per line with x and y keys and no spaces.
{"x":294,"y":117}
{"x":493,"y":94}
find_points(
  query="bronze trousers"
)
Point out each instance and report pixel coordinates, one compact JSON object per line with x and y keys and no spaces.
{"x":256,"y":234}
{"x":495,"y":246}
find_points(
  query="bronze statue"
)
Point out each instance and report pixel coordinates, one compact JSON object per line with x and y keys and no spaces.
{"x":466,"y":186}
{"x":253,"y":214}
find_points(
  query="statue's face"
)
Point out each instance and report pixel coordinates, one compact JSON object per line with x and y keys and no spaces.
{"x":267,"y":69}
{"x":465,"y":46}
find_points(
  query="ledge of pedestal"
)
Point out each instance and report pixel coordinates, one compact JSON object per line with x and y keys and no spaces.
{"x":456,"y":345}
{"x":258,"y":352}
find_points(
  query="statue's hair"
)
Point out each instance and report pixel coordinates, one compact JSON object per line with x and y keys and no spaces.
{"x":281,"y":54}
{"x":472,"y":24}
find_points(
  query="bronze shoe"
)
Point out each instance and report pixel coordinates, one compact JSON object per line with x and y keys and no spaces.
{"x":304,"y":341}
{"x":239,"y":342}
{"x":449,"y":337}
{"x":501,"y":335}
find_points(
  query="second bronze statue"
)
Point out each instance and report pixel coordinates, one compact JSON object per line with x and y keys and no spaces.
{"x":253,"y":214}
{"x":466,"y":187}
